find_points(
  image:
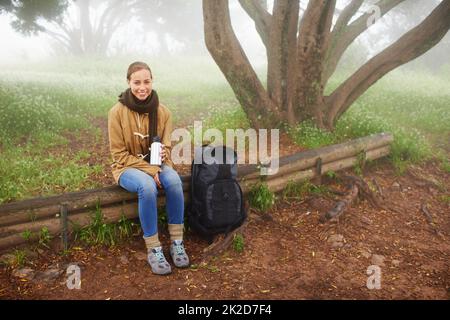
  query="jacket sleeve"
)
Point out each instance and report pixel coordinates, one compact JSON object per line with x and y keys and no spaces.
{"x":166,"y":138}
{"x":120,"y":155}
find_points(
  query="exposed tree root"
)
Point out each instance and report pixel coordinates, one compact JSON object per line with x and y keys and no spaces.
{"x":430,"y":220}
{"x":424,"y":179}
{"x":222,"y":242}
{"x":355,"y":186}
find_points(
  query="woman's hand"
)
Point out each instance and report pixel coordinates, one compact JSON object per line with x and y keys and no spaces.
{"x":156,"y":178}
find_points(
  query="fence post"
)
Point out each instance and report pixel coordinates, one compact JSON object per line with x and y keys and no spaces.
{"x":318,"y":166}
{"x":63,"y":223}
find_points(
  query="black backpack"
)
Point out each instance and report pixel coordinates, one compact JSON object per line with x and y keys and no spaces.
{"x":216,"y":200}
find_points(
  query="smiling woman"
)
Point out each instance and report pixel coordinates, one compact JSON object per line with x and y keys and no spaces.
{"x":140,"y":80}
{"x":136,"y":118}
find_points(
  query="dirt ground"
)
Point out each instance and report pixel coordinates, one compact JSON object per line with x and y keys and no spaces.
{"x":288,"y":253}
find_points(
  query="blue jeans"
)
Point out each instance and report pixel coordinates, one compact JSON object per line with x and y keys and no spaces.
{"x":144,"y":185}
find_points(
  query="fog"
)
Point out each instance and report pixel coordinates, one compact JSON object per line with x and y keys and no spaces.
{"x":183,"y":36}
{"x":17,"y":47}
{"x":132,"y":37}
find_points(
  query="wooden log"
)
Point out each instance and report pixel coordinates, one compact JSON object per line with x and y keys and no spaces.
{"x":49,"y":207}
{"x":113,"y":210}
{"x":34,"y":214}
{"x":307,"y":159}
{"x":11,"y":235}
{"x":277,"y":183}
{"x":45,"y":207}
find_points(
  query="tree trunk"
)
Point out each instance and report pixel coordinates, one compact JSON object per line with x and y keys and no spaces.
{"x":232,"y":61}
{"x":281,"y":53}
{"x":314,"y":36}
{"x":302,"y":56}
{"x":87,"y":37}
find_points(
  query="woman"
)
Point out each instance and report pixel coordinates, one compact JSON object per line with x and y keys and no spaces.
{"x":132,"y":122}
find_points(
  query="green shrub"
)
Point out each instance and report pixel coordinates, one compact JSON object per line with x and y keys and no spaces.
{"x":238,"y":243}
{"x":44,"y":237}
{"x":261,"y":198}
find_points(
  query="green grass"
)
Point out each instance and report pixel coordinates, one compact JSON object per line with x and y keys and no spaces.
{"x":238,"y":243}
{"x":26,"y":235}
{"x":16,"y":259}
{"x":32,"y":169}
{"x":20,"y":258}
{"x":414,"y":107}
{"x":307,"y":134}
{"x":445,"y":199}
{"x":42,"y":102}
{"x":98,"y":232}
{"x":226,"y":117}
{"x":44,"y":237}
{"x":301,"y":189}
{"x":444,"y":161}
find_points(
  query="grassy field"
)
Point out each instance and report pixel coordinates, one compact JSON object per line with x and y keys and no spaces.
{"x":41,"y":103}
{"x":415,"y":107}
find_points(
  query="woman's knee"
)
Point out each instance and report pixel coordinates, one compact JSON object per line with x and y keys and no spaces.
{"x":170,"y":178}
{"x":147,"y":188}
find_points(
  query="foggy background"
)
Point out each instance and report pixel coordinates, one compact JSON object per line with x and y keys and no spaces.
{"x":175,"y":28}
{"x":63,"y":64}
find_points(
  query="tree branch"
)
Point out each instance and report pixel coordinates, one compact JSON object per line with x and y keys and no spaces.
{"x":346,"y":15}
{"x":343,"y":34}
{"x":411,"y":45}
{"x":63,"y":40}
{"x":261,"y":17}
{"x":106,"y":13}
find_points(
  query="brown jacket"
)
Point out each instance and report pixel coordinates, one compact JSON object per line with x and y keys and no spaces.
{"x":125,"y":145}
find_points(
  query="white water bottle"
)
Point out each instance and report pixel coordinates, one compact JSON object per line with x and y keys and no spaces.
{"x":155,"y":151}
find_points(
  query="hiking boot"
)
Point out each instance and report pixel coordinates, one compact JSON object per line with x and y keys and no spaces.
{"x":178,"y":254}
{"x":158,"y":262}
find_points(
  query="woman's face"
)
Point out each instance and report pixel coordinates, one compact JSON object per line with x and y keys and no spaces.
{"x":141,"y":84}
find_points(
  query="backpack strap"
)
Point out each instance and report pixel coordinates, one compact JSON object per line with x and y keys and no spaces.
{"x":194,"y":172}
{"x":191,"y":189}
